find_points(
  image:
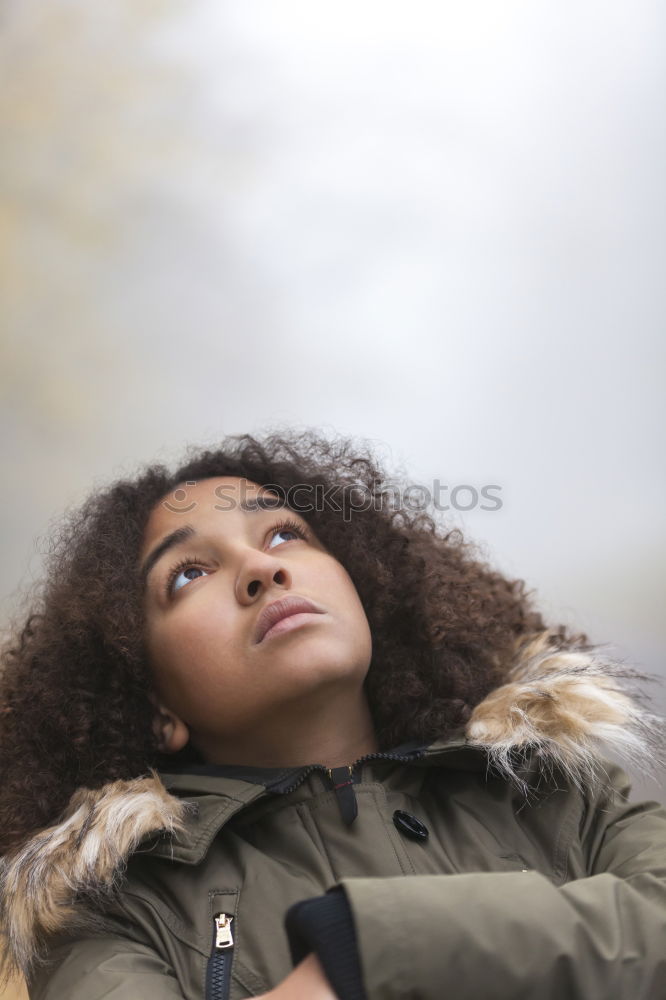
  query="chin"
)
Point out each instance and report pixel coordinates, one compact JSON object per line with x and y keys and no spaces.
{"x":331,"y":669}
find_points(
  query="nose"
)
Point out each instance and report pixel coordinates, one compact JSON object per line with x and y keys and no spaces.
{"x":260,"y":571}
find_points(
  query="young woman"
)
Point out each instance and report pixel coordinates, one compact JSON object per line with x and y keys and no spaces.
{"x":267,"y":732}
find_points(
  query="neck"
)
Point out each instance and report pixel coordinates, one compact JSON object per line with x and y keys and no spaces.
{"x":334,"y":733}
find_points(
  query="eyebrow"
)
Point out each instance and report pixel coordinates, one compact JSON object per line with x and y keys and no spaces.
{"x":177,"y":537}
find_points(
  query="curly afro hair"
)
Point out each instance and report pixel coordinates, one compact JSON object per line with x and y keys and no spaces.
{"x":74,"y":692}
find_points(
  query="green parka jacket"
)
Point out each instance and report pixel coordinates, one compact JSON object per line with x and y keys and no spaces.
{"x":506,"y":864}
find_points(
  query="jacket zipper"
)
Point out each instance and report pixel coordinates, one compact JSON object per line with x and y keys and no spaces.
{"x":218,"y":971}
{"x":342,"y":780}
{"x":350,"y":767}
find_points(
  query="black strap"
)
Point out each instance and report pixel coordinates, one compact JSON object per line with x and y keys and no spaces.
{"x":343,"y":784}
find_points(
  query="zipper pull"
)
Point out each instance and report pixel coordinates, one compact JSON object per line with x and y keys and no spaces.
{"x":343,"y":785}
{"x":223,"y":936}
{"x":218,"y":970}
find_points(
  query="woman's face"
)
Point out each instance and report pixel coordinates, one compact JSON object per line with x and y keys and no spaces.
{"x":209,"y":670}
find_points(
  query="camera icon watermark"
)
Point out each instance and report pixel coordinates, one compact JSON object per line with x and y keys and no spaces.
{"x":179,"y":504}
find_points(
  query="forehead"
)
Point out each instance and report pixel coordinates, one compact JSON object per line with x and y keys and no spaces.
{"x":192,"y":502}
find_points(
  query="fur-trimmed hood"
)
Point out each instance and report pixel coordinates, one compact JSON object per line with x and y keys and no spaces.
{"x":564,"y":709}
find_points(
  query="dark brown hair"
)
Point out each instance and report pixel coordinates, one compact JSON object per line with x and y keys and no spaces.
{"x":74,"y":692}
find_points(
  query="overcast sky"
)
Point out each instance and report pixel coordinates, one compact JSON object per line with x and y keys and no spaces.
{"x":438,"y":226}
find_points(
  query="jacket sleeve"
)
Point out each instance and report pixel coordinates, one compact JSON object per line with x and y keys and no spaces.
{"x":324,"y":925}
{"x":506,"y":934}
{"x":100,"y":967}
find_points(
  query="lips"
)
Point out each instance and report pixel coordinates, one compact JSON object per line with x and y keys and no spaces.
{"x":283,"y":608}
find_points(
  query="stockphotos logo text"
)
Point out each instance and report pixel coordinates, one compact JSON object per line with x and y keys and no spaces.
{"x":346,"y":498}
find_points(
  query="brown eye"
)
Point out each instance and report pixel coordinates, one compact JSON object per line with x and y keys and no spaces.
{"x":288,"y":527}
{"x":182,"y":568}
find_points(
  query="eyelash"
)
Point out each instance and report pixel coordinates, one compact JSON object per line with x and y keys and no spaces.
{"x":192,"y":562}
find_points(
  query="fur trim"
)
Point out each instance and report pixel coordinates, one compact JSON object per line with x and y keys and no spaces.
{"x":566,"y":708}
{"x":558,"y":704}
{"x":85,"y":852}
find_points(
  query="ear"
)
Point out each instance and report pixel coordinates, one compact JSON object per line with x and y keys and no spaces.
{"x":171,"y":732}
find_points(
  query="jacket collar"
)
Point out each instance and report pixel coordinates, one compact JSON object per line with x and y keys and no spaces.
{"x":215,"y":793}
{"x":558,"y":708}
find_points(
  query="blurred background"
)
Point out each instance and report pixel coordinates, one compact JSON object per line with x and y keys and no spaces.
{"x":438,"y":227}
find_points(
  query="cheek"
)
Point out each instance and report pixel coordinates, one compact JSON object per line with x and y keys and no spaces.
{"x":340,"y":584}
{"x":343,"y":585}
{"x":192,"y":644}
{"x":198,"y":675}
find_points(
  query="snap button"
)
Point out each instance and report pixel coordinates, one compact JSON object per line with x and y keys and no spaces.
{"x":410,"y":825}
